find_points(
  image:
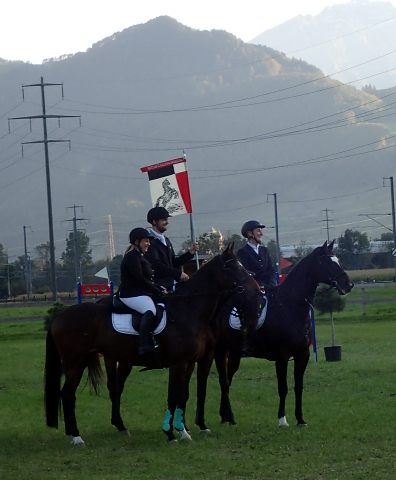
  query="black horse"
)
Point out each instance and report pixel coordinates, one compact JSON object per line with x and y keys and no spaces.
{"x":79,"y":333}
{"x":286,"y":333}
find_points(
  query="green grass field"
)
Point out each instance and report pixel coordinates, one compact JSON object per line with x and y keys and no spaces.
{"x":350,"y":407}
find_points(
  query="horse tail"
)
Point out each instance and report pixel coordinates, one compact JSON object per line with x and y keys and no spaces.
{"x":52,"y":382}
{"x":95,"y":372}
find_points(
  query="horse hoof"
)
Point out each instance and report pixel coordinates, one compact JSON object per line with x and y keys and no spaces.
{"x":78,"y":442}
{"x":124,"y":433}
{"x":302,"y":424}
{"x":184,"y":435}
{"x":205,"y":430}
{"x":283,"y":422}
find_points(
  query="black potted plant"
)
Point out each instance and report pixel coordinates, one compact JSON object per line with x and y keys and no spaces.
{"x":329,"y":301}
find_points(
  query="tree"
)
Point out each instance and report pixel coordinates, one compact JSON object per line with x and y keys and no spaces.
{"x":84,"y":254}
{"x":300,"y":251}
{"x":353,"y":249}
{"x":329,"y":301}
{"x":385,"y":237}
{"x":41,"y":269}
{"x":213,"y":243}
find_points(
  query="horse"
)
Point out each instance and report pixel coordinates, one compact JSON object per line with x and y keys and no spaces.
{"x":81,"y":332}
{"x":286,"y":333}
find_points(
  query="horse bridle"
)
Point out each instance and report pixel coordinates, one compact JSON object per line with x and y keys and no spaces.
{"x":332,"y":281}
{"x":237,"y":288}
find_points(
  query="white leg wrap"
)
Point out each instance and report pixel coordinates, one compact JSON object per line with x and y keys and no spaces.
{"x":283,"y":422}
{"x":184,"y":435}
{"x":78,"y":441}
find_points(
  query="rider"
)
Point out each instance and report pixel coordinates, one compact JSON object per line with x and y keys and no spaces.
{"x":161,"y":254}
{"x":137,"y":286}
{"x":257,"y":261}
{"x":255,"y":257}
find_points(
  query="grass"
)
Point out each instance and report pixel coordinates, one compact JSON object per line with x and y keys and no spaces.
{"x":350,"y":407}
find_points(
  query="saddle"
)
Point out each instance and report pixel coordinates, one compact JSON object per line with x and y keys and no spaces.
{"x":235,"y":322}
{"x":119,"y":308}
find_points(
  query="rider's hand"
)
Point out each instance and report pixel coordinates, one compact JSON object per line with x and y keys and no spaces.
{"x":184,"y":277}
{"x":194,"y":248}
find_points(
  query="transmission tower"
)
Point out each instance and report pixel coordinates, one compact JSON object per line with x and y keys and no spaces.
{"x":111,"y":239}
{"x":46,"y":141}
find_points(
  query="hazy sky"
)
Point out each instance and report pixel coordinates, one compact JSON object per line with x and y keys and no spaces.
{"x":35,"y":30}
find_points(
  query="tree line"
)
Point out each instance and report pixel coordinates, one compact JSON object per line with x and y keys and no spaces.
{"x":353,"y":249}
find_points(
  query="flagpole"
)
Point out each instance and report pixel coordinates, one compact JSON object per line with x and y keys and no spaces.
{"x":192,"y":228}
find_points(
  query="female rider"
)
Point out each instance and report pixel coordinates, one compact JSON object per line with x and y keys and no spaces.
{"x":137,"y":286}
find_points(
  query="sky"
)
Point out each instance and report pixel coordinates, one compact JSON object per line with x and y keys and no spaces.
{"x":33,"y":31}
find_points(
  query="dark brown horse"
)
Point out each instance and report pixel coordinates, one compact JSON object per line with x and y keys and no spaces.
{"x":286,"y":333}
{"x":79,"y":333}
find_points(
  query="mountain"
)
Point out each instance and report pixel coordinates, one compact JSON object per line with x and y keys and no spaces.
{"x":351,"y":42}
{"x":252,"y":122}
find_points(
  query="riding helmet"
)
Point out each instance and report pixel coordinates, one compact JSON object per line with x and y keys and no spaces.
{"x":157,"y":213}
{"x":138,"y":234}
{"x":250,"y":226}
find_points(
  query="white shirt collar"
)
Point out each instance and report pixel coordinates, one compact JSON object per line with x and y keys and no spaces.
{"x":159,"y":236}
{"x":255,"y":247}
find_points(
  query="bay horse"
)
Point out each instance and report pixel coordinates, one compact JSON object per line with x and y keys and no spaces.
{"x":286,"y":333}
{"x":81,"y":332}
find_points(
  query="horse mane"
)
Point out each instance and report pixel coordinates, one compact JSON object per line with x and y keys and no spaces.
{"x":198,"y":278}
{"x":325,"y":249}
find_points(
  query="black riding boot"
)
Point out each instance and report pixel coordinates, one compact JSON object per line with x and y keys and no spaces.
{"x":248,"y":345}
{"x":146,"y":340}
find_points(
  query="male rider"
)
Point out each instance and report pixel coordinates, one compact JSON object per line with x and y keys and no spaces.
{"x":161,"y":254}
{"x":257,"y":261}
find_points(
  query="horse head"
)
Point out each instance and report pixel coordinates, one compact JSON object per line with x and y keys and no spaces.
{"x":330,"y":270}
{"x":244,"y":290}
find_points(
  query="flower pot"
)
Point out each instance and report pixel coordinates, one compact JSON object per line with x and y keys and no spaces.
{"x":333,"y":354}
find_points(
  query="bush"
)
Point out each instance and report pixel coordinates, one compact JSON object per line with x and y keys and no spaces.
{"x":52,"y":313}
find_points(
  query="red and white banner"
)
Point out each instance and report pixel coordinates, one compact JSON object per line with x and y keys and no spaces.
{"x":169,"y":186}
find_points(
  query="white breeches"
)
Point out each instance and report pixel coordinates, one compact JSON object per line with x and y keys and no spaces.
{"x":141,"y":304}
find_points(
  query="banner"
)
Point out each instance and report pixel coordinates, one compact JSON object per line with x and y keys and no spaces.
{"x":169,"y":186}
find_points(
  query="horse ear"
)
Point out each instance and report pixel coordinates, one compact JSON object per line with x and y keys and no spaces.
{"x":331,"y":245}
{"x":229,"y":250}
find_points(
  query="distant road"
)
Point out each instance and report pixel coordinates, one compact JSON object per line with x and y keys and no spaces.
{"x":20,"y":319}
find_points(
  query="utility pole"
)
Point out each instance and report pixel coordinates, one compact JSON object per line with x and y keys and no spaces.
{"x":28,"y":279}
{"x":327,"y":220}
{"x":46,"y":141}
{"x":77,"y":266}
{"x":277,"y":234}
{"x":393,"y":222}
{"x":111,"y":239}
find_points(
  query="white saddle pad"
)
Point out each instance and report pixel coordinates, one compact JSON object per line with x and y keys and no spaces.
{"x":122,"y":323}
{"x":235,"y":321}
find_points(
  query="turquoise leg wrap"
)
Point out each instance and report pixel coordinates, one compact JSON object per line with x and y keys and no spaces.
{"x":168,"y":417}
{"x":179,"y":423}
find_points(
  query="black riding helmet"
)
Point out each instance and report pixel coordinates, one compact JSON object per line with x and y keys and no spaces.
{"x":250,"y":226}
{"x":138,"y":234}
{"x":157,"y":213}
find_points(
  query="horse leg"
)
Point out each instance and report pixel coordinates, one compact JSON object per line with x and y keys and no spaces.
{"x":177,"y":373}
{"x":281,"y":374}
{"x":116,"y":377}
{"x":68,"y":395}
{"x":180,"y":419}
{"x":204,"y":366}
{"x":300,"y":365}
{"x":226,"y":368}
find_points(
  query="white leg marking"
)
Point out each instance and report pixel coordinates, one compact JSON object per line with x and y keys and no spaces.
{"x":283,"y":422}
{"x":184,"y":435}
{"x":78,"y":441}
{"x":205,"y":431}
